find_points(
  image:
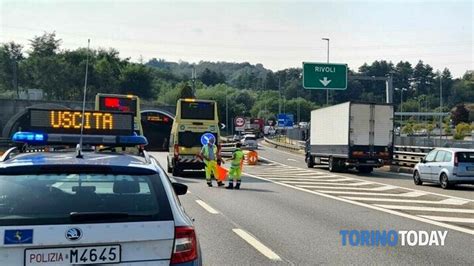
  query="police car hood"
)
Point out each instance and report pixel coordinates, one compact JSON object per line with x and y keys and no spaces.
{"x":67,"y":162}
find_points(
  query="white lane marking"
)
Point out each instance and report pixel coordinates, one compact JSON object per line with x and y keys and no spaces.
{"x":373,"y":207}
{"x":298,"y":179}
{"x":403,"y":195}
{"x":427,"y":209}
{"x":257,"y":244}
{"x":288,"y":171}
{"x":295,"y":174}
{"x":318,"y":183}
{"x":441,"y":202}
{"x":320,"y":180}
{"x":310,"y":173}
{"x":411,"y":189}
{"x":323,"y":186}
{"x":207,"y":207}
{"x":293,"y":160}
{"x":305,"y":177}
{"x":449,"y":219}
{"x":454,"y":201}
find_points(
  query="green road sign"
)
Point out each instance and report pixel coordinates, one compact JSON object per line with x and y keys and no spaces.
{"x":324,"y":76}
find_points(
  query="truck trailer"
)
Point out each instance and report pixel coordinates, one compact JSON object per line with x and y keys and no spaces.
{"x":351,"y":135}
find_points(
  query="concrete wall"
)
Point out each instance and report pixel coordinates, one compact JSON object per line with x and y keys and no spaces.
{"x":9,"y":108}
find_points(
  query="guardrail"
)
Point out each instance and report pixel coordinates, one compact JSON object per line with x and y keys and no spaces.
{"x":409,"y":156}
{"x":299,"y":147}
{"x":403,"y":156}
{"x":227,"y":149}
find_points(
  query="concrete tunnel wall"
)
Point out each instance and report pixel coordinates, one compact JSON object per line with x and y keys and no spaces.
{"x":12,"y":110}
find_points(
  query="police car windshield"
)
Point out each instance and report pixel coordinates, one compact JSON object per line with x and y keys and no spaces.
{"x":62,"y":198}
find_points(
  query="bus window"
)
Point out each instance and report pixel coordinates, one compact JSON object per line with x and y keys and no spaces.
{"x":121,"y":103}
{"x":197,"y":110}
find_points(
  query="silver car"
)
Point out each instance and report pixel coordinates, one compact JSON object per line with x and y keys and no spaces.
{"x":249,"y":141}
{"x":446,"y":166}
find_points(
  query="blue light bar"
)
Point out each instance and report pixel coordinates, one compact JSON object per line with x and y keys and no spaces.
{"x":132,"y":140}
{"x":30,"y":137}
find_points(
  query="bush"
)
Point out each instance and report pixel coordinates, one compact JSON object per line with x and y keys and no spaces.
{"x":461,"y":130}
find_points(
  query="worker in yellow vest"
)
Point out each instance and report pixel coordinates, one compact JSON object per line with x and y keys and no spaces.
{"x":210,"y":155}
{"x":235,"y":171}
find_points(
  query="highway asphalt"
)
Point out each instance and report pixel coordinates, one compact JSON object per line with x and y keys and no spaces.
{"x":274,"y":220}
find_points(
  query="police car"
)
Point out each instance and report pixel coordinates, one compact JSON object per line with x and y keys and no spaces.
{"x":98,"y":204}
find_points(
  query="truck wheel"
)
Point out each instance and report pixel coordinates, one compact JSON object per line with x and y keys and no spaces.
{"x":332,"y":165}
{"x":310,"y":161}
{"x":365,"y":169}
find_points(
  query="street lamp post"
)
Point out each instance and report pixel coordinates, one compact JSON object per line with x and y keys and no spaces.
{"x":440,"y":106}
{"x":327,"y":90}
{"x":401,"y":103}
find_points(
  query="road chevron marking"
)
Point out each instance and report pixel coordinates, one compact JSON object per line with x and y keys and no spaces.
{"x":427,"y":209}
{"x":257,"y":244}
{"x":404,"y":195}
{"x":441,"y":202}
{"x":374,"y":207}
{"x":449,"y":219}
{"x":383,"y":184}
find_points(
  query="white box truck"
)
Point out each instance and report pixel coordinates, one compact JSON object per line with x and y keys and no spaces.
{"x":351,"y":135}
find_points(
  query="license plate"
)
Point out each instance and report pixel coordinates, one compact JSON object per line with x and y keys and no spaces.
{"x":73,"y":255}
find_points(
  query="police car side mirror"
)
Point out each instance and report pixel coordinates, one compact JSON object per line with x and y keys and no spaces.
{"x":422,"y":160}
{"x":179,"y":189}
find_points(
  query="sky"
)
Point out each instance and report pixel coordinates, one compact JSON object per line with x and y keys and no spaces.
{"x":277,"y":34}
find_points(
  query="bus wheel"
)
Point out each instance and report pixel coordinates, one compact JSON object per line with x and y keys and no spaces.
{"x":176,"y":171}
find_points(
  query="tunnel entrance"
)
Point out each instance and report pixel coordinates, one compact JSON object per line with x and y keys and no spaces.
{"x":157,"y":129}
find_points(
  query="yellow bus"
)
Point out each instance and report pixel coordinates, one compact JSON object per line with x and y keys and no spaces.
{"x":121,"y":103}
{"x":193,"y":119}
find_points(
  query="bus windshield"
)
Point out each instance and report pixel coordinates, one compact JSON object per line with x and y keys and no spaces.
{"x":197,"y":110}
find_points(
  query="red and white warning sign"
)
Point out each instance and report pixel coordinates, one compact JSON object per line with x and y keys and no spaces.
{"x":239,"y":121}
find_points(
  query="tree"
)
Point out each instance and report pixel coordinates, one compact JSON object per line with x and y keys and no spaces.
{"x":10,"y":56}
{"x":45,"y":45}
{"x":185,"y":91}
{"x":136,"y":79}
{"x":460,"y":114}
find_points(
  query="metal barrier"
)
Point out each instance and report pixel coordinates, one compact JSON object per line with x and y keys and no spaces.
{"x":409,"y":156}
{"x":227,"y":149}
{"x":403,"y":156}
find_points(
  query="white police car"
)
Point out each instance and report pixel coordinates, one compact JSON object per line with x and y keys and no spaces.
{"x":66,"y":207}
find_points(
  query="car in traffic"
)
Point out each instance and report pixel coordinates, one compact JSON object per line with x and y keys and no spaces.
{"x":303,"y":124}
{"x":236,"y":137}
{"x":249,"y":141}
{"x":91,"y":206}
{"x":446,"y":166}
